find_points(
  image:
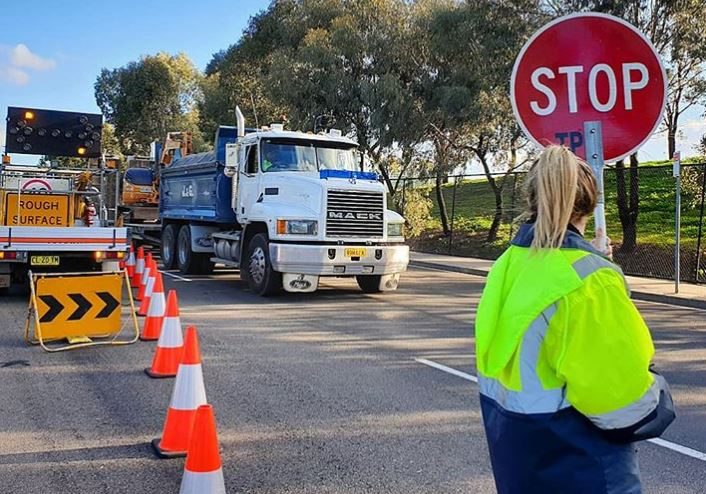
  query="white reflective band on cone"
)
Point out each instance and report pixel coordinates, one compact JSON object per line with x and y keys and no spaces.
{"x":189,"y":392}
{"x":146,"y":275}
{"x":140,"y":266}
{"x":171,"y":336}
{"x":157,"y":304}
{"x":203,"y":482}
{"x":150,"y":287}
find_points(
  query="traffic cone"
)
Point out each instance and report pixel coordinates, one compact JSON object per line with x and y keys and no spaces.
{"x":149,"y":288}
{"x":130,"y":263}
{"x":144,"y":277}
{"x":203,"y":471}
{"x":188,"y":394}
{"x":170,"y":347}
{"x":155,"y":312}
{"x":139,"y":267}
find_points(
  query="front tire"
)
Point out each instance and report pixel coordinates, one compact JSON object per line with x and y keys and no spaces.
{"x":262,"y":279}
{"x":369,"y":283}
{"x":169,"y":245}
{"x":188,"y":261}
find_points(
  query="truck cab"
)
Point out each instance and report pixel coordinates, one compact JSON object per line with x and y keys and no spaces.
{"x":299,"y":208}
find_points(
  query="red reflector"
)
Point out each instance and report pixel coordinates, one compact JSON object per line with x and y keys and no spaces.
{"x":112,"y":255}
{"x":8,"y":255}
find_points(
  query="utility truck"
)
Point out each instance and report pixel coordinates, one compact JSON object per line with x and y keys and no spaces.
{"x":283,"y":207}
{"x":51,"y":219}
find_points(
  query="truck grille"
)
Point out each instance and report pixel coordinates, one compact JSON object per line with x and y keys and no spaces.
{"x":355,"y":214}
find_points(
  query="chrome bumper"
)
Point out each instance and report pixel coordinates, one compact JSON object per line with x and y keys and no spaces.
{"x":315,"y":260}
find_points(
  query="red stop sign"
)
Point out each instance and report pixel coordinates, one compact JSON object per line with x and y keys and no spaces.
{"x":588,"y":67}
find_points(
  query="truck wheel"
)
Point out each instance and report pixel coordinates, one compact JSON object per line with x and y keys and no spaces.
{"x":369,"y":283}
{"x":168,"y":246}
{"x":188,"y":261}
{"x":262,"y":279}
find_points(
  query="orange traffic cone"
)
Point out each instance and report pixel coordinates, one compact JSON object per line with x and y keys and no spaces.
{"x":155,"y":313}
{"x":139,"y":268}
{"x":203,"y":472}
{"x":149,"y":288}
{"x":144,"y":278}
{"x":188,"y":394}
{"x":170,"y":347}
{"x":129,"y":263}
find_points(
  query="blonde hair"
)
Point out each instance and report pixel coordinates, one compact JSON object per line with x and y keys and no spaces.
{"x":560,"y":188}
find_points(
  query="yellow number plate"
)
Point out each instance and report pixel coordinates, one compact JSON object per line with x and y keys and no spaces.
{"x":355,"y":252}
{"x":44,"y":261}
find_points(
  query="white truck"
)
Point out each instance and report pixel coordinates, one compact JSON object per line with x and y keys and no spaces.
{"x":284,"y":207}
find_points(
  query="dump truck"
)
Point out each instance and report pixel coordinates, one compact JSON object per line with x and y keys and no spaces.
{"x":285,"y":208}
{"x":50,"y":218}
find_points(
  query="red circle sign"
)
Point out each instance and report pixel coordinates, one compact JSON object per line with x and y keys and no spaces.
{"x":589,"y":67}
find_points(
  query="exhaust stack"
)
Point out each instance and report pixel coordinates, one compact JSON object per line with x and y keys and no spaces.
{"x":240,"y":119}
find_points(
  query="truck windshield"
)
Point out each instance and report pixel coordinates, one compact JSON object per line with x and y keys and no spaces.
{"x":305,"y":157}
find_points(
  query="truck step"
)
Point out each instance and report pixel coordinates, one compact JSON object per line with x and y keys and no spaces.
{"x":226,"y":262}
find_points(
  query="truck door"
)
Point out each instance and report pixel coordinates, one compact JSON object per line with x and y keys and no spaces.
{"x":249,"y":181}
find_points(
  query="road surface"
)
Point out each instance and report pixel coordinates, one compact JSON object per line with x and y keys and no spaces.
{"x":312,"y":393}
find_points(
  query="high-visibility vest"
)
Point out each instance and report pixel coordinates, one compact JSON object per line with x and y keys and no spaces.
{"x":563,"y":361}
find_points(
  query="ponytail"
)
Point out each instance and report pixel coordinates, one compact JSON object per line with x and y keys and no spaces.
{"x":560,"y":188}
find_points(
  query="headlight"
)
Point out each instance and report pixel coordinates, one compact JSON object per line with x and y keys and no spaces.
{"x":297,"y":227}
{"x":394,"y":229}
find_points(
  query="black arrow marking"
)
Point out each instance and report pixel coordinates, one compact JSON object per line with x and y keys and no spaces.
{"x":55,"y":308}
{"x":83,"y":306}
{"x":110,"y":304}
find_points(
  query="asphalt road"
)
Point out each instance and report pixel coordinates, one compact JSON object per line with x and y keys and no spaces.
{"x":313,"y":393}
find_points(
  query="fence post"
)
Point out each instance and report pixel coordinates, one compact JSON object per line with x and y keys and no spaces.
{"x":701,"y":223}
{"x":676,"y":171}
{"x":404,"y":195}
{"x":453,"y":214}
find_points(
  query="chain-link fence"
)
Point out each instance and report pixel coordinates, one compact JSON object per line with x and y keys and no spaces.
{"x":480,"y":219}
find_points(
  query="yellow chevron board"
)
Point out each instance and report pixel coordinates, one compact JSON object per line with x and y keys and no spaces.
{"x":86,"y":305}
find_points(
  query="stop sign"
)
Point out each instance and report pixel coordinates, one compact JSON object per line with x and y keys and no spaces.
{"x":589,"y":67}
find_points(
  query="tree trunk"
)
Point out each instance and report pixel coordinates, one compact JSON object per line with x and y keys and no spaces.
{"x":443,"y":213}
{"x":628,"y":199}
{"x":671,"y":142}
{"x":498,"y":217}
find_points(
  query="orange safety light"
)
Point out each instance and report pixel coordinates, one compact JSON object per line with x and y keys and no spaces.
{"x":29,"y":115}
{"x":81,"y":151}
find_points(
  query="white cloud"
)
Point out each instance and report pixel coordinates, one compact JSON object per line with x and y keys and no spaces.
{"x":14,"y":75}
{"x":21,"y":56}
{"x":17,"y":62}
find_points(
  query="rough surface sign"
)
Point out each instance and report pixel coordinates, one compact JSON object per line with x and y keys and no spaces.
{"x":589,"y":67}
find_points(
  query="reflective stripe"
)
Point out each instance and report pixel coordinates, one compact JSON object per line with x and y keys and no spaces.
{"x":631,"y":414}
{"x":150,"y":287}
{"x":189,"y":391}
{"x":171,"y":336}
{"x":533,"y":398}
{"x":202,"y":482}
{"x":157,"y":304}
{"x":591,"y":263}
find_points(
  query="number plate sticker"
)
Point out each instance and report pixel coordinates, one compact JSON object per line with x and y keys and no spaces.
{"x":44,"y":260}
{"x":351,"y":252}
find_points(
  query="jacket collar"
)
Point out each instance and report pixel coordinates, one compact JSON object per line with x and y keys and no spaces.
{"x":572,"y":240}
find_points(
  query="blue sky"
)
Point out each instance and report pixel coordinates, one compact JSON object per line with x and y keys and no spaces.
{"x":52,"y":51}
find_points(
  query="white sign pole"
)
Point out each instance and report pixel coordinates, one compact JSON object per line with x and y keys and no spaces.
{"x":676,"y":171}
{"x":593,"y":138}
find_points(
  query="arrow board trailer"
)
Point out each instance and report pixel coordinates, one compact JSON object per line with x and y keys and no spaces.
{"x":286,"y":208}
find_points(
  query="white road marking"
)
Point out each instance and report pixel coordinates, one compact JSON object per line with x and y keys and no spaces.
{"x":172,"y":275}
{"x":448,"y":370}
{"x":684,"y":450}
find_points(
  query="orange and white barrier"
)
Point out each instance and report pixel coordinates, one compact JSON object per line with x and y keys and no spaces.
{"x":151,"y":271}
{"x":170,"y":347}
{"x":139,"y":268}
{"x":203,"y":471}
{"x":130,"y":263}
{"x":155,"y":312}
{"x":188,"y":394}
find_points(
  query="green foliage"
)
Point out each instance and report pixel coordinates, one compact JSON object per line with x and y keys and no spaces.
{"x":417,"y":211}
{"x":147,"y":98}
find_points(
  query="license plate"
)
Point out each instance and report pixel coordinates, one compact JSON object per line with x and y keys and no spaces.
{"x":44,"y":260}
{"x":355,"y":252}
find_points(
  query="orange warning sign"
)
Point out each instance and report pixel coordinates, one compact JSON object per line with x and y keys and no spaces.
{"x":36,"y":210}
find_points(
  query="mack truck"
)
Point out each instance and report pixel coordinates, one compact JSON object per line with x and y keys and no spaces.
{"x":285,"y":208}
